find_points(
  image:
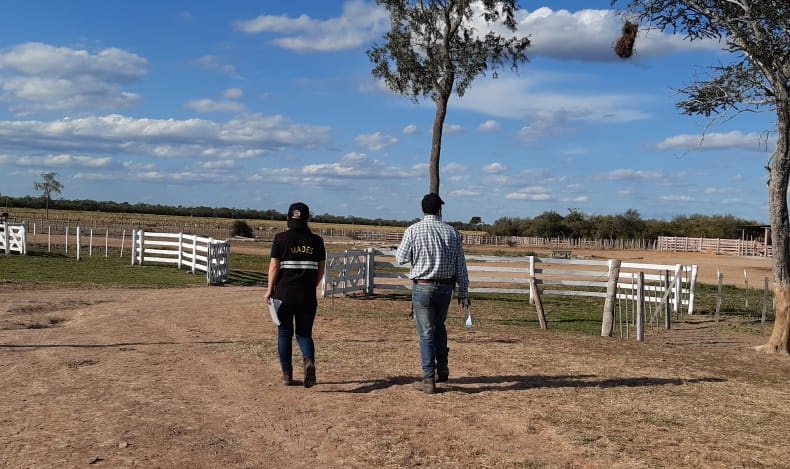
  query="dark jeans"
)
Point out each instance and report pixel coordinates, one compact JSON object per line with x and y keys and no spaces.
{"x":430,"y":303}
{"x":295,"y":318}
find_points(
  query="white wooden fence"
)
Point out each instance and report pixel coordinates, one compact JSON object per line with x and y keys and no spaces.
{"x":196,"y":253}
{"x":735,"y":247}
{"x":672,"y":285}
{"x":13,"y":238}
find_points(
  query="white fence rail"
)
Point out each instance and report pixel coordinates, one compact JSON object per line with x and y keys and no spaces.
{"x":13,"y":238}
{"x":192,"y":252}
{"x":370,"y":270}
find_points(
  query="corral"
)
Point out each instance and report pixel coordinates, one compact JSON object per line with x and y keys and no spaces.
{"x":188,"y":378}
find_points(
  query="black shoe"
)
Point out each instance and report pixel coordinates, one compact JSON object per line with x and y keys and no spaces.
{"x":442,"y":377}
{"x":288,"y":379}
{"x":309,"y":373}
{"x":427,"y":385}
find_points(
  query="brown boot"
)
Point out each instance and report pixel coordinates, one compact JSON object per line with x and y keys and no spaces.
{"x":427,"y":385}
{"x":288,"y":379}
{"x":309,"y":372}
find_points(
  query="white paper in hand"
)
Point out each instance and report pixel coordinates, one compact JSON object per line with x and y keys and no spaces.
{"x":274,"y":305}
{"x":468,"y":318}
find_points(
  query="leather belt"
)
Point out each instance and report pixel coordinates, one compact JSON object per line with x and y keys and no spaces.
{"x":435,"y":281}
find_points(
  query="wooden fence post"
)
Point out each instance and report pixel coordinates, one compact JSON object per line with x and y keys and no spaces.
{"x":607,"y":325}
{"x":538,"y":303}
{"x":719,"y":276}
{"x":745,"y":290}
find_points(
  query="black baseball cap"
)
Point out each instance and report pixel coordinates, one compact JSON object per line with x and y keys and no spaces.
{"x":432,"y":203}
{"x":298,"y":214}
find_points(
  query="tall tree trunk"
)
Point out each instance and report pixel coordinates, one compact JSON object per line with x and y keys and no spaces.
{"x":779,"y":341}
{"x":436,"y":141}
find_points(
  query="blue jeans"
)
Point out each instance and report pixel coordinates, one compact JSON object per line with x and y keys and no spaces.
{"x":295,"y":318}
{"x":430,"y":304}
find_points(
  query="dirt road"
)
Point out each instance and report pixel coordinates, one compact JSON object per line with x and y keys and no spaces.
{"x":185,"y":378}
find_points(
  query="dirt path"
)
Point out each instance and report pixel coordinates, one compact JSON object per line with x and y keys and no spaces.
{"x":184,"y":378}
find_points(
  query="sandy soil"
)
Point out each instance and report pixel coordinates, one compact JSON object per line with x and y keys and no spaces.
{"x":188,"y":378}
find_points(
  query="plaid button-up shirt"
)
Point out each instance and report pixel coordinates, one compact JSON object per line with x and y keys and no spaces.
{"x":435,"y":251}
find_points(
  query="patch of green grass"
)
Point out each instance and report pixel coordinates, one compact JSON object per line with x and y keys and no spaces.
{"x":568,"y":313}
{"x":57,"y":268}
{"x":735,"y":301}
{"x":248,"y":269}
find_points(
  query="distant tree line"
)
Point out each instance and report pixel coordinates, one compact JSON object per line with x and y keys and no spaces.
{"x":628,"y":225}
{"x":181,"y":211}
{"x":549,"y":224}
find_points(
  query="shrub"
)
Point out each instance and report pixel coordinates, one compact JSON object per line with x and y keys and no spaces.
{"x":241,"y":228}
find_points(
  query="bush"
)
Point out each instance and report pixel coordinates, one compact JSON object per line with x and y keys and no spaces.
{"x":241,"y":228}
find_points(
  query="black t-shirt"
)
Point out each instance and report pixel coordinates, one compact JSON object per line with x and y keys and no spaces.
{"x":299,"y":252}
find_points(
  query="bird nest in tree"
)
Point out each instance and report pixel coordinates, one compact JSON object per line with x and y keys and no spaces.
{"x":625,"y":45}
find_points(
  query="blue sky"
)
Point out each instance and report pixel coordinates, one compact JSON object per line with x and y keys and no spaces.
{"x":259,"y":104}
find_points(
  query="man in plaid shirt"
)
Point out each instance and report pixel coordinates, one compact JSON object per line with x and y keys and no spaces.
{"x":436,"y":254}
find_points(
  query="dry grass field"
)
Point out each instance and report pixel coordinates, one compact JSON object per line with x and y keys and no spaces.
{"x":188,"y":377}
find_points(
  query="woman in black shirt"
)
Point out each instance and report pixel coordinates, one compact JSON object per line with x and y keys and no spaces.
{"x":296,"y":269}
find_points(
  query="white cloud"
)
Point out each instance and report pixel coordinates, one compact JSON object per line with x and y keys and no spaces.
{"x":499,"y":180}
{"x":211,"y":105}
{"x":375,"y":141}
{"x":464,"y":193}
{"x":534,"y":193}
{"x":354,"y":156}
{"x":489,"y":126}
{"x":494,"y":168}
{"x":218,"y":165}
{"x":453,"y":129}
{"x":590,"y":35}
{"x":244,"y":136}
{"x":733,"y":201}
{"x":718,"y":190}
{"x":534,"y":97}
{"x":454,"y":168}
{"x":59,"y":160}
{"x":718,"y":141}
{"x":410,"y":129}
{"x":359,"y":23}
{"x":215,"y":63}
{"x":232,"y":93}
{"x":677,"y":198}
{"x":37,"y":77}
{"x":528,"y":196}
{"x":355,"y":166}
{"x":631,"y":175}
